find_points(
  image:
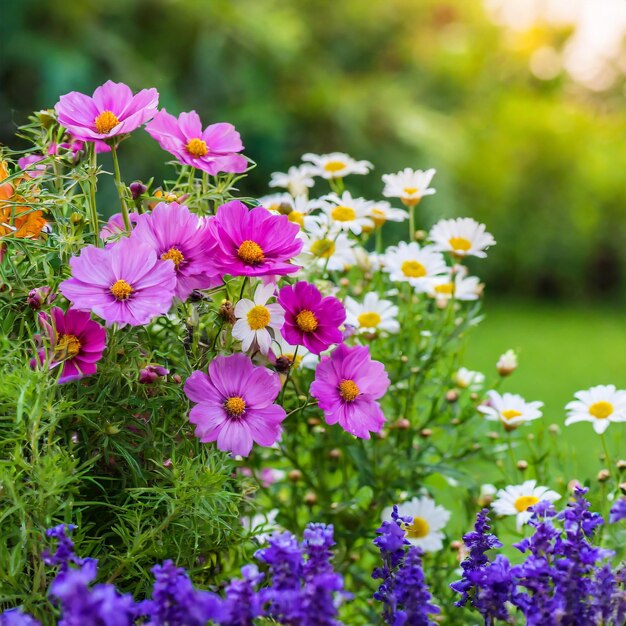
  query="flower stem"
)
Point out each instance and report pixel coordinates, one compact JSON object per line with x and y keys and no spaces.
{"x":120,"y":187}
{"x":93,"y":182}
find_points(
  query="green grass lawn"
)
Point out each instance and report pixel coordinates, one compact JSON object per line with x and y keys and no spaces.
{"x":562,"y":349}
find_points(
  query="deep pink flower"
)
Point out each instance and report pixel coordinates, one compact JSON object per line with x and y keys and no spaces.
{"x":151,"y":373}
{"x":175,"y":233}
{"x":212,"y":150}
{"x":111,"y":111}
{"x":126,"y":283}
{"x":254,"y":242}
{"x":311,"y":320}
{"x":347,"y":384}
{"x":115,"y":227}
{"x":30,"y":167}
{"x":235,"y":404}
{"x":76,"y":343}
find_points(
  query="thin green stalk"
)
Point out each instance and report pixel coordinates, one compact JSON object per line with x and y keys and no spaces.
{"x":93,"y":183}
{"x":120,"y":187}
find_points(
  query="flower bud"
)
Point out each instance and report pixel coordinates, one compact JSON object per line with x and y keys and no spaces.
{"x":227,"y":312}
{"x":493,"y":435}
{"x":456,"y":545}
{"x":76,"y":219}
{"x":310,"y":498}
{"x":313,"y":421}
{"x":137,"y":189}
{"x":334,"y":454}
{"x":151,"y":373}
{"x":38,"y":297}
{"x":603,"y":475}
{"x":426,"y":433}
{"x":455,"y":421}
{"x":522,"y":465}
{"x":452,"y":395}
{"x":420,"y":235}
{"x":507,"y":363}
{"x":294,"y":475}
{"x":403,"y":424}
{"x":621,"y":465}
{"x":177,"y":379}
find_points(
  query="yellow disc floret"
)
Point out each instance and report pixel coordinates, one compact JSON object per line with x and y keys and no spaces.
{"x":306,"y":321}
{"x":417,"y":529}
{"x":509,"y":414}
{"x":524,"y":502}
{"x":323,"y":248}
{"x":67,"y":347}
{"x":121,"y":290}
{"x":601,"y":410}
{"x":106,"y":122}
{"x":258,"y":317}
{"x":460,"y":244}
{"x":334,"y":166}
{"x":369,"y":319}
{"x":175,"y":255}
{"x":251,"y":252}
{"x":197,"y":147}
{"x":343,"y":214}
{"x":348,"y":390}
{"x":413,"y":269}
{"x":235,"y":406}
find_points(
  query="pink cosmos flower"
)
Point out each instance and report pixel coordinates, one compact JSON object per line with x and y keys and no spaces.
{"x":177,"y":234}
{"x":111,"y":111}
{"x":30,"y":167}
{"x":311,"y":320}
{"x":235,"y":404}
{"x":254,"y":242}
{"x":347,"y":384}
{"x":211,"y":150}
{"x":115,"y":227}
{"x":126,"y":283}
{"x":76,"y":343}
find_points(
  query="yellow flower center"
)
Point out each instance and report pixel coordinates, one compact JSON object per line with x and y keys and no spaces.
{"x":509,"y":414}
{"x":121,"y":290}
{"x":446,"y":289}
{"x":409,"y":191}
{"x":524,"y":502}
{"x":370,"y":319}
{"x":601,"y":410}
{"x":413,"y":269}
{"x":297,"y":218}
{"x":258,"y":317}
{"x":306,"y":321}
{"x":235,"y":406}
{"x":250,"y":253}
{"x":417,"y":529}
{"x":348,"y":390}
{"x":334,"y":166}
{"x":378,"y":217}
{"x":106,"y":122}
{"x":197,"y":147}
{"x":343,"y":214}
{"x":324,"y":248}
{"x":67,"y":347}
{"x":460,"y":244}
{"x":175,"y":255}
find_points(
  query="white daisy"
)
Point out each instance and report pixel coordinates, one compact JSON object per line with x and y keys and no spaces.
{"x":260,"y":525}
{"x":507,"y":363}
{"x":409,"y":185}
{"x":428,"y":521}
{"x":600,"y":405}
{"x":297,"y":180}
{"x":348,"y":213}
{"x":468,"y":379}
{"x":381,"y":212}
{"x":336,"y":165}
{"x":462,"y":237}
{"x":367,"y":260}
{"x":510,"y":409}
{"x":516,"y":500}
{"x":277,"y":202}
{"x":327,"y":246}
{"x":459,"y":287}
{"x":372,"y":315}
{"x":295,"y":208}
{"x":255,"y":317}
{"x":408,"y":262}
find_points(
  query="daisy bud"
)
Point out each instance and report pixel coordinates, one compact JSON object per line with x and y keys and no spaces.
{"x":621,"y":465}
{"x":554,"y":429}
{"x":522,"y":465}
{"x":507,"y":363}
{"x":404,"y":359}
{"x":426,"y":433}
{"x":622,"y":487}
{"x":137,"y":189}
{"x":493,"y":435}
{"x":456,"y":545}
{"x":334,"y":454}
{"x":294,"y":475}
{"x":452,"y":395}
{"x":415,"y":370}
{"x":603,"y":475}
{"x":344,"y":282}
{"x":310,"y":498}
{"x":313,"y":421}
{"x":474,"y":396}
{"x":38,"y":297}
{"x":420,"y":235}
{"x":455,"y":421}
{"x":403,"y":424}
{"x":227,"y":312}
{"x":476,"y":446}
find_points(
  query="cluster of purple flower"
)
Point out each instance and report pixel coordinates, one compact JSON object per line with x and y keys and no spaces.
{"x":302,"y":588}
{"x":564,"y":580}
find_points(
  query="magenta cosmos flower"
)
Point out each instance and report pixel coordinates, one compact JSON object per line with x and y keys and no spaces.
{"x":235,"y":404}
{"x":311,"y":320}
{"x":211,"y":150}
{"x":76,"y":343}
{"x":254,"y":242}
{"x":125,"y":284}
{"x":111,"y":111}
{"x":115,"y":228}
{"x":177,"y":234}
{"x":347,"y":384}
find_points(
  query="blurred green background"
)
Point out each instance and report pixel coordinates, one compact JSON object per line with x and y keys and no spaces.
{"x":519,"y":141}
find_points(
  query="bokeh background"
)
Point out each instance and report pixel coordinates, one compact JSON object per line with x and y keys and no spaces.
{"x":519,"y":104}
